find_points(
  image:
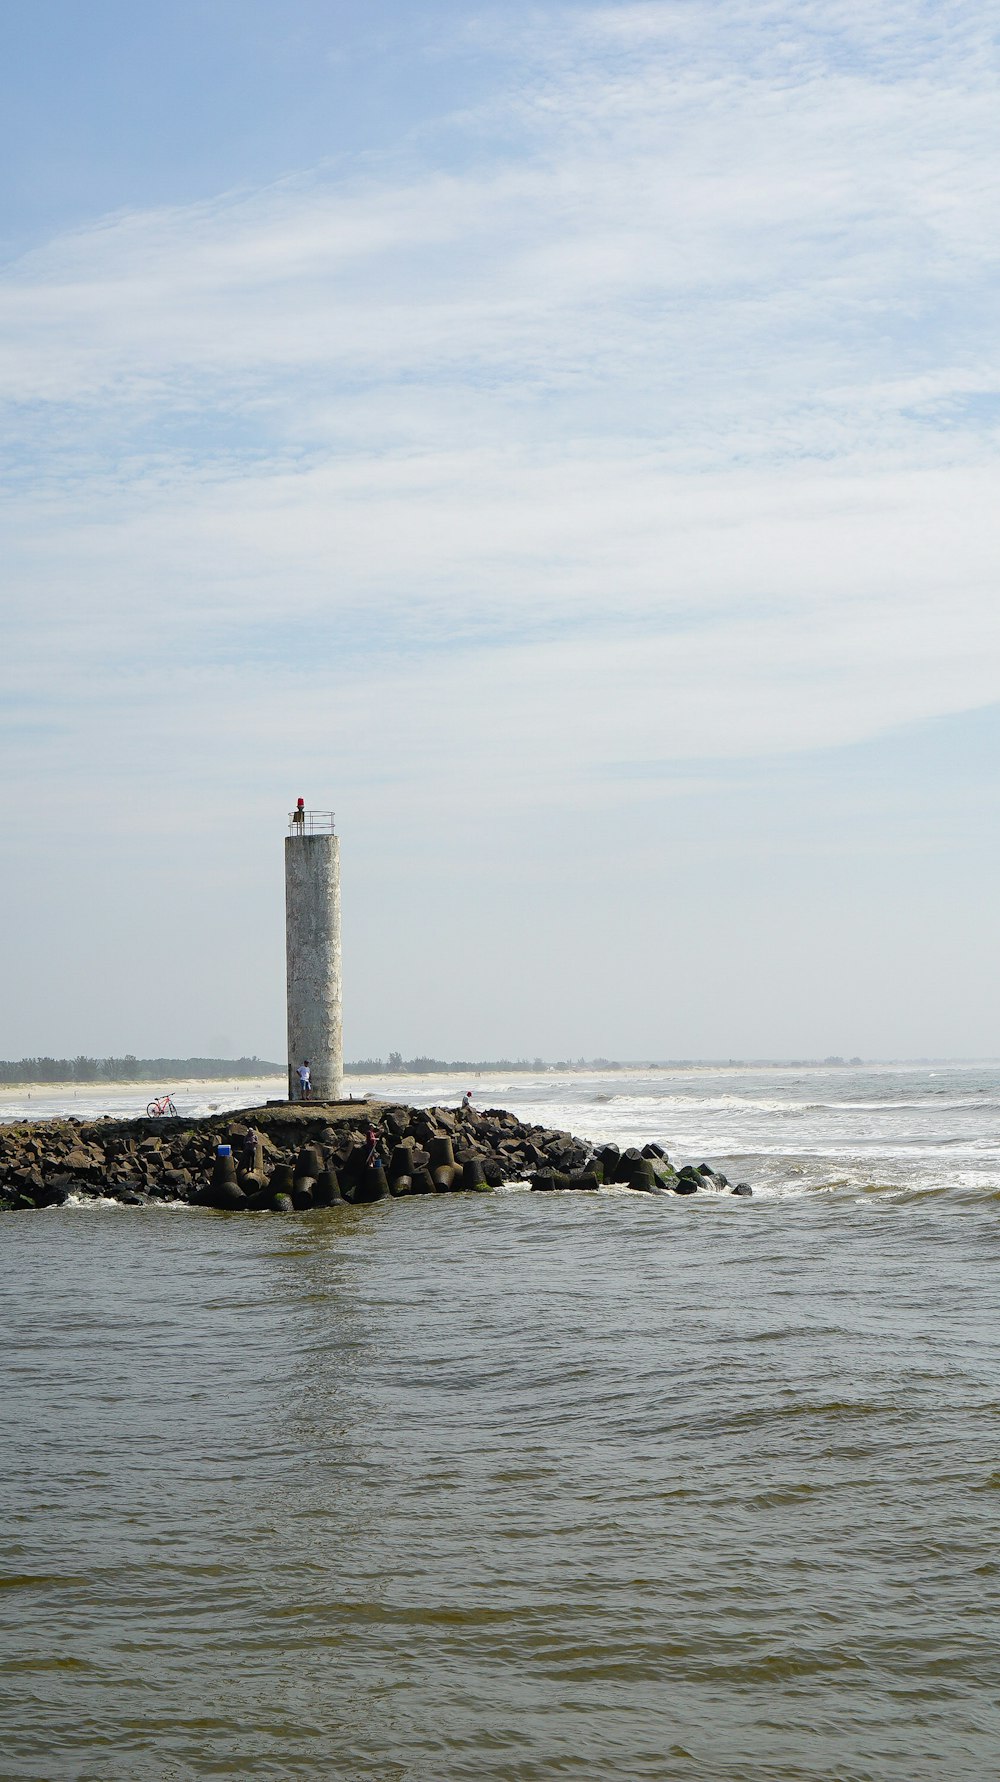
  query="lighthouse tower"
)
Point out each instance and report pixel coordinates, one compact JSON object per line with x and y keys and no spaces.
{"x":312,"y":952}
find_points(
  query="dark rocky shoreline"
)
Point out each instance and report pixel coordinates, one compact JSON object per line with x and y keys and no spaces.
{"x":294,"y":1157}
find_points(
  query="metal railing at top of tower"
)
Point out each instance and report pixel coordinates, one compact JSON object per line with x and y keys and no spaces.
{"x":302,"y":822}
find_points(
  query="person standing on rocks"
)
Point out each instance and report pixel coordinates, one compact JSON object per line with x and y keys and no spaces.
{"x":305,"y":1080}
{"x":250,"y":1139}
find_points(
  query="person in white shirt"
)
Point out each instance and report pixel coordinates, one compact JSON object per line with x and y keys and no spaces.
{"x":304,"y":1079}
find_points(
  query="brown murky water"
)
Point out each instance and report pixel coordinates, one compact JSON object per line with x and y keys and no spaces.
{"x":516,"y":1487}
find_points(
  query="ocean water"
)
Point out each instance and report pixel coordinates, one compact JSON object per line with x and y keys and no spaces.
{"x":526,"y":1486}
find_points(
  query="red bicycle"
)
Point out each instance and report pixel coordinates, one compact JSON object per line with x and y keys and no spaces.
{"x":163,"y":1105}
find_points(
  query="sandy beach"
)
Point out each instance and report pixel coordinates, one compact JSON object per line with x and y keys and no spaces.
{"x":192,"y":1096}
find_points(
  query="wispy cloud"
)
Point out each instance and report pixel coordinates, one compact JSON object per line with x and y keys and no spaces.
{"x":724,"y":218}
{"x":647,"y":412}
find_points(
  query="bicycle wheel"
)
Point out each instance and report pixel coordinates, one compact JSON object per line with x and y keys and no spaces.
{"x":152,"y":1109}
{"x":172,"y":1110}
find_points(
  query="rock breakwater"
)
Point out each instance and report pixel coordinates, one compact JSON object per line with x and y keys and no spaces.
{"x":291,"y":1158}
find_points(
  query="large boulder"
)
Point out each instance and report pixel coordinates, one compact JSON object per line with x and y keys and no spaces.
{"x":26,"y":1179}
{"x":80,"y":1162}
{"x":688,"y":1180}
{"x":54,"y":1192}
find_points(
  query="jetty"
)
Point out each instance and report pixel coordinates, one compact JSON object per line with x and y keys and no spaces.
{"x":298,"y":1157}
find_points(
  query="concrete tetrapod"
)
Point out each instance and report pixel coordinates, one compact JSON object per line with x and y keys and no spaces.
{"x":326,"y":1189}
{"x":224,"y":1197}
{"x":309,"y":1162}
{"x":370,"y":1184}
{"x":401,"y":1161}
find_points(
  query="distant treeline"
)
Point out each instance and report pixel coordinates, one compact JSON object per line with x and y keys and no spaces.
{"x":164,"y":1070}
{"x":131,"y":1070}
{"x":415,"y":1066}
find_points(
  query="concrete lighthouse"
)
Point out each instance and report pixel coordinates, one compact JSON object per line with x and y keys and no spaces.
{"x":312,"y":952}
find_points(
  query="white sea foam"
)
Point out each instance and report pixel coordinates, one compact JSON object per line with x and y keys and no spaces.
{"x":842,"y":1130}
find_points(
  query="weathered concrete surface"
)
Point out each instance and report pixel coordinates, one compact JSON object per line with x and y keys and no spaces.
{"x":313,"y":962}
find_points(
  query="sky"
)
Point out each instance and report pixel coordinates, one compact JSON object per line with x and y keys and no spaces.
{"x":561,"y":439}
